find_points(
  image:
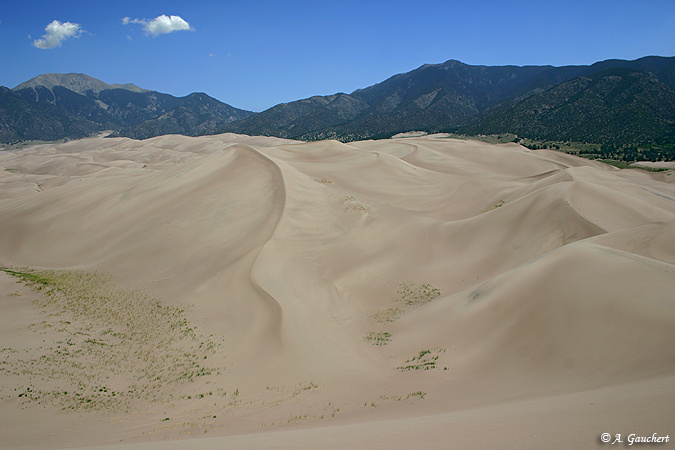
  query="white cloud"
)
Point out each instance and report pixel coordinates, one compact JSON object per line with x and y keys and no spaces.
{"x":164,"y":24}
{"x":160,"y":25}
{"x":57,"y":32}
{"x":128,"y":20}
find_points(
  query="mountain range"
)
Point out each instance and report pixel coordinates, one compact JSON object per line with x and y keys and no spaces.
{"x":612,"y":102}
{"x":56,"y":106}
{"x":594,"y":103}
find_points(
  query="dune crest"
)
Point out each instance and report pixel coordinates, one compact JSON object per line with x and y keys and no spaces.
{"x":335,"y":291}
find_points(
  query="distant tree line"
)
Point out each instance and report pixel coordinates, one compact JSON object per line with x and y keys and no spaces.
{"x":633,"y":153}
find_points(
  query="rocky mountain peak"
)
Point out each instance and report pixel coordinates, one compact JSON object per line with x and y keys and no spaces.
{"x":76,"y":82}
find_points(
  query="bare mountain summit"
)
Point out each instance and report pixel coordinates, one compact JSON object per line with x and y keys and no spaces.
{"x":49,"y":106}
{"x":76,"y":82}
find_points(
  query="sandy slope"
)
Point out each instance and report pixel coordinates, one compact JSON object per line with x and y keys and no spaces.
{"x":520,"y":298}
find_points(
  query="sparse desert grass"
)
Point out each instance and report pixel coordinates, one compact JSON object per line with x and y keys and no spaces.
{"x":387,"y":315}
{"x":115,"y":345}
{"x":493,"y":207}
{"x":419,"y":394}
{"x":491,"y":138}
{"x":410,"y":295}
{"x":115,"y":350}
{"x":321,"y":413}
{"x":398,"y":398}
{"x":353,"y":204}
{"x":415,"y":294}
{"x":305,"y":386}
{"x":424,"y":360}
{"x":378,"y":337}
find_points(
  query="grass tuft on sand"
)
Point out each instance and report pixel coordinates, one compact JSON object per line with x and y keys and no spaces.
{"x":416,"y":294}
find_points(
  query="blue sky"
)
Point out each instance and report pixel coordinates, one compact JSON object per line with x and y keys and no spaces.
{"x":255,"y":54}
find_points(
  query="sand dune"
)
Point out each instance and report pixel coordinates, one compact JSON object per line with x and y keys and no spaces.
{"x":249,"y":292}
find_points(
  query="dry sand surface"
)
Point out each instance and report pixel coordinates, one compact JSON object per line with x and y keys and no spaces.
{"x":422,"y":292}
{"x":656,"y":165}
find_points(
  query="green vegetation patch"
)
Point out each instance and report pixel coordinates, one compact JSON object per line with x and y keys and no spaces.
{"x":502,"y":138}
{"x":415,"y":294}
{"x":411,"y":295}
{"x":659,"y":150}
{"x":424,"y":360}
{"x":114,"y":346}
{"x":419,"y":394}
{"x":378,"y":337}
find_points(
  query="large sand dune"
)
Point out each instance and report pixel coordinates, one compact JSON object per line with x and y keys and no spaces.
{"x":248,"y":292}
